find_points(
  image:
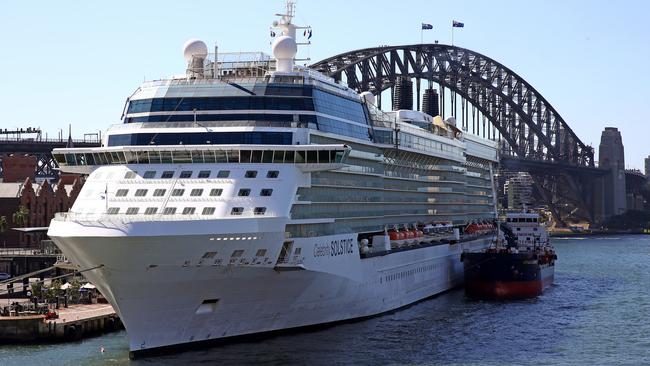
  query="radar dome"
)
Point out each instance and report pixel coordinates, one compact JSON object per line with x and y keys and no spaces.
{"x":194,"y":48}
{"x":284,"y":48}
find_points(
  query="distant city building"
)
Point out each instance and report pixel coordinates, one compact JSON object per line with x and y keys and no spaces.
{"x":611,"y":155}
{"x":519,"y":191}
{"x":647,"y":167}
{"x":41,"y":199}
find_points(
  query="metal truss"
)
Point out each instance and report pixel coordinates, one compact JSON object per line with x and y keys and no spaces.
{"x":532,"y":128}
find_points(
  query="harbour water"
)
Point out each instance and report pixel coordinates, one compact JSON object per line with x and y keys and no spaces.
{"x":596,"y":313}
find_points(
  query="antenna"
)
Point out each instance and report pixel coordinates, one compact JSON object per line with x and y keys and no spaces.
{"x":286,"y":28}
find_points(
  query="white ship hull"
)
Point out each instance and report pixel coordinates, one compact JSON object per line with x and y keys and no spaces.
{"x":167,"y":295}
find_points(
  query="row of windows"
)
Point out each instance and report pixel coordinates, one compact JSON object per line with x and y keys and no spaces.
{"x":201,"y":138}
{"x":266,"y":117}
{"x":339,"y":106}
{"x":235,"y":211}
{"x":186,"y":174}
{"x":221,"y":103}
{"x":197,"y":192}
{"x":341,"y":128}
{"x":201,"y":156}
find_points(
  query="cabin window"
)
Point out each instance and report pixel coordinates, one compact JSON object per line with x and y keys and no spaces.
{"x":223,"y":174}
{"x":140,"y":192}
{"x":266,"y":192}
{"x":186,"y":174}
{"x":129,"y":175}
{"x":237,"y":211}
{"x":169,"y":211}
{"x":216,"y":192}
{"x":208,"y":210}
{"x":272,"y":174}
{"x":113,"y":210}
{"x":159,"y":192}
{"x":250,"y":174}
{"x":244,"y":192}
{"x":189,"y":210}
{"x":178,"y":192}
{"x":204,"y":174}
{"x":121,"y":192}
{"x":132,"y":211}
{"x":168,"y":174}
{"x":149,"y":174}
{"x":260,"y":253}
{"x":259,"y":210}
{"x":151,"y":210}
{"x":196,"y":192}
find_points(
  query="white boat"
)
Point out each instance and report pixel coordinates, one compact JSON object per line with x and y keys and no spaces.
{"x":252,"y":195}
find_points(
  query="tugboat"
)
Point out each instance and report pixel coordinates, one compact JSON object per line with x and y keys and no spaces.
{"x":520,"y":264}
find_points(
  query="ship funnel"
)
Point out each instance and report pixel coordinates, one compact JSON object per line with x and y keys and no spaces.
{"x":284,"y":50}
{"x":195,"y":51}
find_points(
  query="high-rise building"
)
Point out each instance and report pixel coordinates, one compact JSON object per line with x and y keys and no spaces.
{"x":519,"y":191}
{"x":611,"y":155}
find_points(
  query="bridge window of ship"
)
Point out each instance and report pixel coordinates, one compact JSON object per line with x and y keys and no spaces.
{"x":129,"y":175}
{"x":141,"y":192}
{"x":178,"y":192}
{"x":204,"y":174}
{"x":223,"y":174}
{"x":159,"y":192}
{"x":250,"y":174}
{"x":266,"y":192}
{"x":237,"y":211}
{"x":259,"y":211}
{"x":121,"y":193}
{"x":149,"y":174}
{"x":151,"y":210}
{"x":216,"y":192}
{"x":189,"y":210}
{"x":196,"y":192}
{"x":244,"y":192}
{"x":186,"y":174}
{"x":272,"y":174}
{"x":169,"y":211}
{"x":132,"y":210}
{"x":113,"y":210}
{"x":167,"y":174}
{"x":208,"y":211}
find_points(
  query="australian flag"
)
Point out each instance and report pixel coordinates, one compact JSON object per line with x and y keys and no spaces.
{"x":427,"y":26}
{"x":457,"y":24}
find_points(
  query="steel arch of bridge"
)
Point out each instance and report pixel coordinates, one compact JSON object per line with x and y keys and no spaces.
{"x":529,"y":124}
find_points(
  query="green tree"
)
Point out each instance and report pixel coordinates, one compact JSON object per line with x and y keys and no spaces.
{"x":3,"y":224}
{"x":21,"y":216}
{"x":53,"y":290}
{"x":73,"y":291}
{"x":37,"y":290}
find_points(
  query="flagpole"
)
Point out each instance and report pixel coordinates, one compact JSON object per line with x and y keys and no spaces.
{"x":421,"y":35}
{"x":452,"y":34}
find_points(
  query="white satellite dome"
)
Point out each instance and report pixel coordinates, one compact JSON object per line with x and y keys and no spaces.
{"x":284,"y":48}
{"x":194,"y":48}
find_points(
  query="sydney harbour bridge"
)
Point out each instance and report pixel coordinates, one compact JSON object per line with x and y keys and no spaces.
{"x":486,"y":98}
{"x":490,"y":100}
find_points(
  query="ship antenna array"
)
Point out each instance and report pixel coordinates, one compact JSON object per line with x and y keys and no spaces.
{"x":285,"y":27}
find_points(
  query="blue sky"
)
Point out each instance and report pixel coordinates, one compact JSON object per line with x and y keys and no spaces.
{"x":76,"y":61}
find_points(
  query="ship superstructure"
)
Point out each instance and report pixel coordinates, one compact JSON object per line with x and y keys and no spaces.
{"x":251,"y":195}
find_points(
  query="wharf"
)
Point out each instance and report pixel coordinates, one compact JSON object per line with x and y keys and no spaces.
{"x":73,"y":323}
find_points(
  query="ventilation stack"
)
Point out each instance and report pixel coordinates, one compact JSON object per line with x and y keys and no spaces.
{"x":403,"y":95}
{"x":430,"y":102}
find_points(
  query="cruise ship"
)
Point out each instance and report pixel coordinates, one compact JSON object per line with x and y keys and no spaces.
{"x":250,"y":195}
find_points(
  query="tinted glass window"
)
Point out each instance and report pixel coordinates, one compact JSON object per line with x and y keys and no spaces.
{"x":216,"y":192}
{"x":266,"y":192}
{"x":272,"y":174}
{"x":220,"y":103}
{"x":150,"y":210}
{"x":159,"y":192}
{"x":149,"y":174}
{"x":201,"y":138}
{"x":186,"y":174}
{"x":223,"y":174}
{"x":244,"y":192}
{"x":140,"y":192}
{"x":167,"y":174}
{"x":204,"y":174}
{"x":250,"y":174}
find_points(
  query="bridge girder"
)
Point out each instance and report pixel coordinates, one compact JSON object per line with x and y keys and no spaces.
{"x":532,"y":128}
